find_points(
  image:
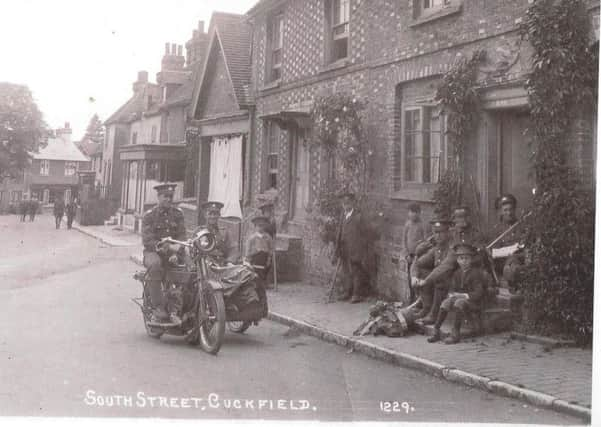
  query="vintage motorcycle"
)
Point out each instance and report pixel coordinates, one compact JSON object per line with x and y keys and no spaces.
{"x":212,"y":295}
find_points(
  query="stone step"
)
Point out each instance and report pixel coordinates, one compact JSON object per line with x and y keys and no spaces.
{"x":506,"y":299}
{"x":494,"y":320}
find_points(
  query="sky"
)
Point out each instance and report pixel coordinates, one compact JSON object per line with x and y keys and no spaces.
{"x":69,"y":51}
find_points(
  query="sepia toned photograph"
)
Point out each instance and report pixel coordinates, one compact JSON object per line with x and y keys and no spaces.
{"x":298,"y":211}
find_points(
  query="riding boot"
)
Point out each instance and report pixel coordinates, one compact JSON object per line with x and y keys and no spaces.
{"x":426,"y":297}
{"x":455,"y":334}
{"x":439,"y":295}
{"x":155,"y":292}
{"x":442,"y":315}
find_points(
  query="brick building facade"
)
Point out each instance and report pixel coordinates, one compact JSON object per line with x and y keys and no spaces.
{"x":393,"y":55}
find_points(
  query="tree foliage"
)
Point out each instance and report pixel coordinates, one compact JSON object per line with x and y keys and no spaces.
{"x":95,"y":129}
{"x":558,"y":281}
{"x":22,"y":129}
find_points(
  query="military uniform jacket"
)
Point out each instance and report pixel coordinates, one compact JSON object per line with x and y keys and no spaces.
{"x":442,"y":262}
{"x":159,"y":223}
{"x":469,"y":235}
{"x":59,"y":208}
{"x":474,"y":281}
{"x":514,"y":236}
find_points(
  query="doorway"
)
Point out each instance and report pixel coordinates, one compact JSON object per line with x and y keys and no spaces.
{"x":514,"y":154}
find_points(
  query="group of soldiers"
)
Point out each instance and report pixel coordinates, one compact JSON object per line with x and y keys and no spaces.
{"x":167,"y":220}
{"x":455,"y":270}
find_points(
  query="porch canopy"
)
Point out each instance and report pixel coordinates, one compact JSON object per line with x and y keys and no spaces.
{"x":153,"y":152}
{"x":289,"y":118}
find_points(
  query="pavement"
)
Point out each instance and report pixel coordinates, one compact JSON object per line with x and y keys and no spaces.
{"x":539,"y":373}
{"x":74,"y":345}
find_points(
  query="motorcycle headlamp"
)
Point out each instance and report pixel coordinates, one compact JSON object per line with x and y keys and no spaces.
{"x":204,"y":241}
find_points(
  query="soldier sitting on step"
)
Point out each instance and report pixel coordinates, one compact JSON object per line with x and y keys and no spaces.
{"x":466,"y":294}
{"x":432,"y":271}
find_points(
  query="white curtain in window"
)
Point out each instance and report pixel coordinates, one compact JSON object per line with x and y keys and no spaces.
{"x":225,"y":183}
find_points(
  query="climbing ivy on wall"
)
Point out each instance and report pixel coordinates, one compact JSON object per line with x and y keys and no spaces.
{"x":557,"y":282}
{"x":460,"y":101}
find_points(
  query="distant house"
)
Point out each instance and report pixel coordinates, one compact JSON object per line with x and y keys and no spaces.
{"x":52,"y":173}
{"x":155,"y":148}
{"x":93,"y":150}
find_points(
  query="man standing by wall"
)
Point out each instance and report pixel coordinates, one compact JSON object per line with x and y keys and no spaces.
{"x":351,"y":249}
{"x":71,"y":211}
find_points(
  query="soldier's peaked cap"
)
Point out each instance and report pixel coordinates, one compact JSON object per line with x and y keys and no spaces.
{"x":508,"y":199}
{"x":165,"y":188}
{"x":212,"y":206}
{"x":441,"y":224}
{"x":461,"y":211}
{"x":260,"y":219}
{"x":464,"y":249}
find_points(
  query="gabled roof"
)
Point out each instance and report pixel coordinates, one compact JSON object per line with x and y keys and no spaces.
{"x":184,"y":94}
{"x":89,"y":147}
{"x":131,"y":110}
{"x":60,"y":149}
{"x":233,"y":35}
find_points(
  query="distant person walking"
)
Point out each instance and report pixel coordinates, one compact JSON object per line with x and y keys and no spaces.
{"x":71,"y":211}
{"x":59,"y":211}
{"x":23,"y":207}
{"x":33,"y":208}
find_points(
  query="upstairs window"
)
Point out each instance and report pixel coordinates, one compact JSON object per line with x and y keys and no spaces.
{"x":70,"y":168}
{"x":275,"y":44}
{"x":45,"y":167}
{"x":339,"y":29}
{"x":432,"y":9}
{"x":426,"y":155}
{"x":134,"y":138}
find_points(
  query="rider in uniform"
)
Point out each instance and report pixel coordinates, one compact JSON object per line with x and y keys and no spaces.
{"x":164,"y":220}
{"x":226,"y":249}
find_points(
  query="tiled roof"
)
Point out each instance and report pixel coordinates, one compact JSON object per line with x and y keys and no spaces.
{"x":89,"y":147}
{"x":60,"y":149}
{"x":184,"y":93}
{"x":131,"y":110}
{"x":234,"y":36}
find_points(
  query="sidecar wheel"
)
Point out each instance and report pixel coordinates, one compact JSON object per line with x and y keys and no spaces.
{"x":238,"y":327}
{"x":211,"y":315}
{"x":152,"y":332}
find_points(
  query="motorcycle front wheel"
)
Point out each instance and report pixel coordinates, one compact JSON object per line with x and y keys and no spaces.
{"x":211,"y":317}
{"x":238,"y":326}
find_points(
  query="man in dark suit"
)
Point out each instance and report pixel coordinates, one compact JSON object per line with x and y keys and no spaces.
{"x":351,"y":249}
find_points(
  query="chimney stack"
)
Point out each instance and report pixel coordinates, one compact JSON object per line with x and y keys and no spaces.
{"x":141,"y":82}
{"x":196,"y":46}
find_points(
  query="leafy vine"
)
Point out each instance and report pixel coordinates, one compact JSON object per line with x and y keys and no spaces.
{"x":460,"y":101}
{"x":558,"y":281}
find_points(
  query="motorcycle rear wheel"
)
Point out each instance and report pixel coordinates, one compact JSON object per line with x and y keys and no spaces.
{"x":238,"y":327}
{"x":211,"y":315}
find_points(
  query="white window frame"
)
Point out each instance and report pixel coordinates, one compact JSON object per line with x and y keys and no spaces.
{"x":70,"y":168}
{"x":439,"y":161}
{"x":272,"y":157}
{"x":44,"y":167}
{"x":340,"y":12}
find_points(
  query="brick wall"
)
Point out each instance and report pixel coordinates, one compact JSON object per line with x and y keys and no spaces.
{"x":393,"y":59}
